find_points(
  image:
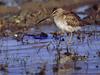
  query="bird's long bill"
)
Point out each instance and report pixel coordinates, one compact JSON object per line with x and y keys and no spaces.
{"x":42,"y":20}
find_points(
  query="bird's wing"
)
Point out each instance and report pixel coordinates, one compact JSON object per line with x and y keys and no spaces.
{"x":72,"y":19}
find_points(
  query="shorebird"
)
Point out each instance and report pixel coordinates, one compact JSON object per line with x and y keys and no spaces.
{"x":67,"y":21}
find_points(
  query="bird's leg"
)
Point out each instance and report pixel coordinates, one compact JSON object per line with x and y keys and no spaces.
{"x":70,"y":39}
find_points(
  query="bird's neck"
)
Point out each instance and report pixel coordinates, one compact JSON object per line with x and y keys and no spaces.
{"x":58,"y":17}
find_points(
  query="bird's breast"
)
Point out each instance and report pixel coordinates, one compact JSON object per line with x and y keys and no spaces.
{"x":63,"y":25}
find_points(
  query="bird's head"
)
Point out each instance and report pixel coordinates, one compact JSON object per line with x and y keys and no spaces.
{"x":57,"y":11}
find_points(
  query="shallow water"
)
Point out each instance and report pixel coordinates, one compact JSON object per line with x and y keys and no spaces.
{"x":37,"y":54}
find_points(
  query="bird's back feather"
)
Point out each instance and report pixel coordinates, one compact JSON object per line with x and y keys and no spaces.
{"x":72,"y":19}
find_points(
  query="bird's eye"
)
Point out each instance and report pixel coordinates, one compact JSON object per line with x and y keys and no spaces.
{"x":54,"y":11}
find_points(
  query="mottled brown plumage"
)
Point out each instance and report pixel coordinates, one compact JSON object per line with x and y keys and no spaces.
{"x":67,"y":21}
{"x":72,"y":19}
